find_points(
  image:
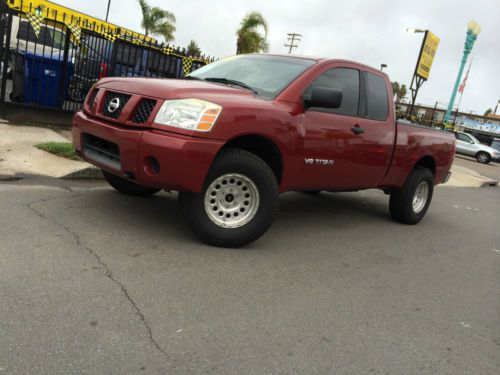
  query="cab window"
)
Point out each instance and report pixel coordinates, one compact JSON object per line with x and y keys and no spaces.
{"x":376,"y":98}
{"x":344,"y":79}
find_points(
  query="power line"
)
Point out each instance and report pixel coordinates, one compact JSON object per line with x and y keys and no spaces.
{"x":292,"y":38}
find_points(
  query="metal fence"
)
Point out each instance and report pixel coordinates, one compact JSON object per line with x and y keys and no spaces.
{"x":51,"y":61}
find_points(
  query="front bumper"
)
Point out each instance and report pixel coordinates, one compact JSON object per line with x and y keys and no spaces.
{"x":182,"y":161}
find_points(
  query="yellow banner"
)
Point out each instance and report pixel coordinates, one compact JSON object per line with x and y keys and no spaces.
{"x":427,"y":56}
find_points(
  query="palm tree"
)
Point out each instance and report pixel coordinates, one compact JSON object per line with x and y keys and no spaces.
{"x":395,"y":88}
{"x":157,"y":21}
{"x":249,"y":38}
{"x":398,"y":91}
{"x":193,"y":49}
{"x":488,"y":112}
{"x":401,"y":92}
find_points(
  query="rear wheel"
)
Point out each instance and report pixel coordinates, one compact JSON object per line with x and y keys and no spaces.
{"x":409,"y":204}
{"x":127,"y":187}
{"x":483,"y":157}
{"x":238,"y":202}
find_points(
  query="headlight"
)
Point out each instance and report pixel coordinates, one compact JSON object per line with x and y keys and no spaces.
{"x":190,"y":114}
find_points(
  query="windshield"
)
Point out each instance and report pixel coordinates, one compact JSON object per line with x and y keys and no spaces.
{"x":266,"y":75}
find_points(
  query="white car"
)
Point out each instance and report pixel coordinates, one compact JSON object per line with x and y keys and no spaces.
{"x":50,"y":41}
{"x":468,"y":145}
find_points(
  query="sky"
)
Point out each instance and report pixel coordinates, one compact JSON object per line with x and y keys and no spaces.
{"x":372,"y":32}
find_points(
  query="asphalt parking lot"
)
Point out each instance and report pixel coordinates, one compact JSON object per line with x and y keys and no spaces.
{"x":95,"y":282}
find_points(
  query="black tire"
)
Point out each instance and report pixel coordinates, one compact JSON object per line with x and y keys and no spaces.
{"x":240,"y":164}
{"x":401,"y":201}
{"x":129,"y":188}
{"x":483,"y":157}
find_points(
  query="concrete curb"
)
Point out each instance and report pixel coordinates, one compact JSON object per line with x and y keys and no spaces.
{"x":466,"y":177}
{"x":488,"y":182}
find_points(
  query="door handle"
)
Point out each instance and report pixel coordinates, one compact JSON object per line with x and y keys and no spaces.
{"x":356,"y":129}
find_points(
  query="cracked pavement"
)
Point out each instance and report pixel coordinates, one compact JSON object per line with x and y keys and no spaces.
{"x":94,"y":282}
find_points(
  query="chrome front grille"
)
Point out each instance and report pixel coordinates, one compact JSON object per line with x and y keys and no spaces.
{"x":114,"y":102}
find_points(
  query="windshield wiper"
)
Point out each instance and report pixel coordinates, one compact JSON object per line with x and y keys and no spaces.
{"x":193,"y":78}
{"x":231,"y":82}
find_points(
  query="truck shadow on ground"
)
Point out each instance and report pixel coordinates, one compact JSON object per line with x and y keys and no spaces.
{"x":160,"y":215}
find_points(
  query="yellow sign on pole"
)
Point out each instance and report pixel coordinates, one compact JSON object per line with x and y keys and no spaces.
{"x":427,"y":55}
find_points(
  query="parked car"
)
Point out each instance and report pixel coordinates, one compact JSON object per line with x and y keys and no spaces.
{"x":236,"y":133}
{"x":468,"y":145}
{"x":51,"y":39}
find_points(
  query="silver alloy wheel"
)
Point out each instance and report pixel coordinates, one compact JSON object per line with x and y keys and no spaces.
{"x":482,"y":158}
{"x":420,"y":197}
{"x":231,"y":200}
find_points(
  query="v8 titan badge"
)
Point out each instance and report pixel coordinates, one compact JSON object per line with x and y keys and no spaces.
{"x":323,"y":162}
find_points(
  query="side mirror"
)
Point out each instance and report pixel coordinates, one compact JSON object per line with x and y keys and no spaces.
{"x":323,"y":97}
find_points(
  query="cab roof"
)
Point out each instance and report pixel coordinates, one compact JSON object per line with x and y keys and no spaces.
{"x":320,"y":59}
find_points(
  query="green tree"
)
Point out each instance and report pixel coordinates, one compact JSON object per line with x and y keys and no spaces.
{"x":249,"y":37}
{"x":395,"y":88}
{"x":401,"y":93}
{"x":156,"y":21}
{"x":193,"y":49}
{"x":488,"y":112}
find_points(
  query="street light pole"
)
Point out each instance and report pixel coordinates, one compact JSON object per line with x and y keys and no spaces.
{"x":382,"y":66}
{"x":473,"y":30}
{"x":414,"y":90}
{"x":107,"y":12}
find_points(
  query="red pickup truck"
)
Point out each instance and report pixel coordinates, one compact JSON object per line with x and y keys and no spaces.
{"x":234,"y":134}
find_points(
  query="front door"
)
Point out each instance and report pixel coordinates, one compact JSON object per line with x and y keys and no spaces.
{"x":343,"y":148}
{"x":465,"y":145}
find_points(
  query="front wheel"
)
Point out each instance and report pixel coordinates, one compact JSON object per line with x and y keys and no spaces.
{"x":238,"y":202}
{"x":126,"y":187}
{"x":409,"y":204}
{"x":483,"y":157}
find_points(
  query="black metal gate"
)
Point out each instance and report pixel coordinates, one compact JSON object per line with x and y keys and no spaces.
{"x":51,"y":61}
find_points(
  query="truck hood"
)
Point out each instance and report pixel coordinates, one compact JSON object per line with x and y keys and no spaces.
{"x":174,"y":88}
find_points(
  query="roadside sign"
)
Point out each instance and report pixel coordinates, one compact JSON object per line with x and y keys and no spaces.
{"x":427,"y":55}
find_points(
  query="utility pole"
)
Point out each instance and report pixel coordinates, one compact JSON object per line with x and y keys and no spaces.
{"x":107,"y":12}
{"x":292,"y":38}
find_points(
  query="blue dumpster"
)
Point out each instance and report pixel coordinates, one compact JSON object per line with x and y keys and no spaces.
{"x":42,"y":79}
